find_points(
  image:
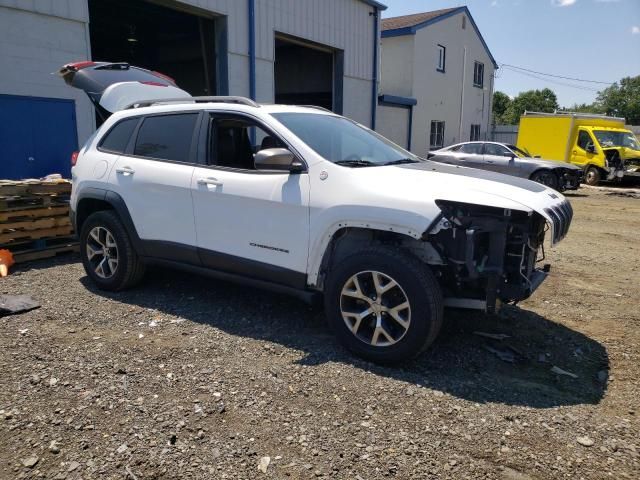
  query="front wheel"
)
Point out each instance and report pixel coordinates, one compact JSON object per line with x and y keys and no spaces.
{"x":546,"y":178}
{"x":384,"y":305}
{"x":593,"y":176}
{"x":107,"y":254}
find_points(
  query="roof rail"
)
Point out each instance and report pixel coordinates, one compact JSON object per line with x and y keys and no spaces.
{"x":316,"y":107}
{"x":218,"y":99}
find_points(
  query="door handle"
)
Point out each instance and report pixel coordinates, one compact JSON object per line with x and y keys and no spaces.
{"x":490,"y":161}
{"x":125,"y":170}
{"x":575,"y":153}
{"x":209,"y":181}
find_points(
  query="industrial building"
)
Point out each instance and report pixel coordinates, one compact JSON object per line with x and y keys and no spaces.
{"x":288,"y":51}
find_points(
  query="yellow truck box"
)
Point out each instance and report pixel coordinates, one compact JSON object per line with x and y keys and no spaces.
{"x":601,"y":145}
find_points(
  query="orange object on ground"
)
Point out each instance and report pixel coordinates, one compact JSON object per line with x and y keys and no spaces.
{"x":6,"y":260}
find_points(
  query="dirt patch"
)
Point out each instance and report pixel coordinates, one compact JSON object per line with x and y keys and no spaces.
{"x":186,"y":377}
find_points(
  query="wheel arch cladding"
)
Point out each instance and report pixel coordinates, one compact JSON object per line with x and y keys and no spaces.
{"x":95,"y":200}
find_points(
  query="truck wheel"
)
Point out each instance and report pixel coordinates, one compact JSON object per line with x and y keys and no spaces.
{"x":107,"y":254}
{"x":384,"y":305}
{"x":592,"y":176}
{"x":546,"y":178}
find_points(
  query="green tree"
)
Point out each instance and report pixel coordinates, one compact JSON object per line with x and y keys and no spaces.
{"x":544,"y":100}
{"x":584,"y":108}
{"x":622,"y":99}
{"x":501,"y":102}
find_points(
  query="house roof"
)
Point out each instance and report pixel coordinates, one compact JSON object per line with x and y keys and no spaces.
{"x":404,"y":21}
{"x":410,"y":24}
{"x":373,"y":3}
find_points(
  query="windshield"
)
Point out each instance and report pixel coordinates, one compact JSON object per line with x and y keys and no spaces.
{"x":343,"y":141}
{"x":519,"y":152}
{"x":609,"y":138}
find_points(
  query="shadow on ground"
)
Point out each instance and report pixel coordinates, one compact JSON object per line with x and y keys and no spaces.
{"x":459,"y":363}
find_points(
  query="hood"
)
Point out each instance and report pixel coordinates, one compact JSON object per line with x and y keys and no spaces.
{"x":115,"y":86}
{"x":436,"y":181}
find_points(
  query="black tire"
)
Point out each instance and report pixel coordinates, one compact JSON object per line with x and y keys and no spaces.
{"x":416,"y":282}
{"x":592,"y":176}
{"x":129,"y":270}
{"x":547,"y":178}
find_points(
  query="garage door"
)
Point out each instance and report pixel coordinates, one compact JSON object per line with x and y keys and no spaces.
{"x":37,"y":136}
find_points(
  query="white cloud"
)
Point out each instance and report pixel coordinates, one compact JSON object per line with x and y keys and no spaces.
{"x":494,"y":3}
{"x":563,"y":3}
{"x":635,"y":30}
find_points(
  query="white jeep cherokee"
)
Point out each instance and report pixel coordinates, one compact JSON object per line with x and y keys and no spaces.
{"x":303,"y":201}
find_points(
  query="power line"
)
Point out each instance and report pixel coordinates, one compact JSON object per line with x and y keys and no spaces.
{"x":555,"y":76}
{"x":578,"y":87}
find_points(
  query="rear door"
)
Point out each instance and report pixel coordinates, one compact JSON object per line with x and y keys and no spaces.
{"x":498,"y":158}
{"x":154,"y":176}
{"x":470,"y":155}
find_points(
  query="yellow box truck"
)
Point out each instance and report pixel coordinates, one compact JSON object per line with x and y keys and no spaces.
{"x":601,"y":145}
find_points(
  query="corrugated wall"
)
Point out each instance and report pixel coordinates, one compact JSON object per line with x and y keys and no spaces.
{"x":340,"y":24}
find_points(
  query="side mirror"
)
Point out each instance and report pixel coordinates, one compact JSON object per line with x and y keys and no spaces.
{"x":590,"y":148}
{"x":280,"y":159}
{"x":510,"y":156}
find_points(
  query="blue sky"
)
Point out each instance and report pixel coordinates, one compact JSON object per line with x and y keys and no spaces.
{"x":586,"y":39}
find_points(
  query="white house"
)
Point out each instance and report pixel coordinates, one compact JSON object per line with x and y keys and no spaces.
{"x":436,"y":80}
{"x":320,"y":52}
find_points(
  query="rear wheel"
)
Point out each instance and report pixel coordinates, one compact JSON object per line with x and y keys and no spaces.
{"x":546,"y":178}
{"x":592,"y":176}
{"x":107,"y":254}
{"x":384,"y":305}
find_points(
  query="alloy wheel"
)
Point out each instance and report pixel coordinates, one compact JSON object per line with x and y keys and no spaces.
{"x":102,"y":252}
{"x":375,"y":308}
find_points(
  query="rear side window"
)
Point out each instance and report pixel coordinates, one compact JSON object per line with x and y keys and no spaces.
{"x":475,"y":148}
{"x":166,"y":137}
{"x":117,"y":138}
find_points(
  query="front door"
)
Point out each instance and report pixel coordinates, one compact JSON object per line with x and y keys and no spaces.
{"x":154,"y":179}
{"x":249,"y":222}
{"x":581,"y":154}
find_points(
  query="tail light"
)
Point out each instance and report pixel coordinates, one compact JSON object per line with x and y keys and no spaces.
{"x":74,"y":158}
{"x":79,"y":65}
{"x":166,"y":77}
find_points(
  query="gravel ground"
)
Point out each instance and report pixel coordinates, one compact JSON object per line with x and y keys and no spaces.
{"x":186,"y":377}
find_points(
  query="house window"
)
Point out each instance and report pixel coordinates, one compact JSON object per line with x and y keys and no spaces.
{"x":464,"y":22}
{"x":478,"y":74}
{"x":436,"y":139}
{"x":442,"y":58}
{"x":475,"y":133}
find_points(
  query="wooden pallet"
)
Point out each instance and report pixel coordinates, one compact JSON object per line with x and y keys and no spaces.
{"x":18,"y":202}
{"x":33,"y":212}
{"x":9,"y":238}
{"x":29,"y":224}
{"x":44,"y":248}
{"x":8,"y":188}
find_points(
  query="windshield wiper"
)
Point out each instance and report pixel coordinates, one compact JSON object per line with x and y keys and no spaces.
{"x":402,"y":161}
{"x":356,"y":163}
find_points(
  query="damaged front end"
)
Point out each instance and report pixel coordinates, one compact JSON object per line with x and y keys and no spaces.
{"x":614,"y":163}
{"x":490,"y":255}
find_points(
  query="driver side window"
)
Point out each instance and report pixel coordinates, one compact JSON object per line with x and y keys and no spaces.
{"x":234,"y":140}
{"x":584,"y":139}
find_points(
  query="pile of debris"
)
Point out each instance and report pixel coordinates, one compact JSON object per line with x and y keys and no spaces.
{"x":34,"y":218}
